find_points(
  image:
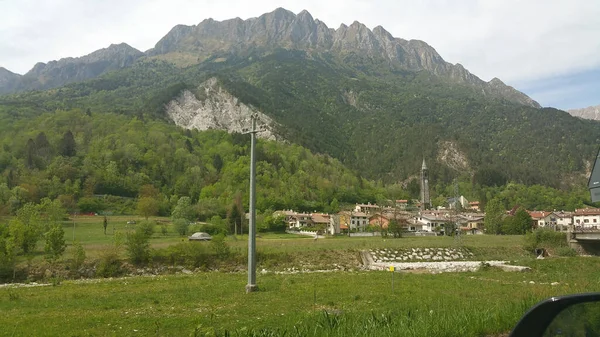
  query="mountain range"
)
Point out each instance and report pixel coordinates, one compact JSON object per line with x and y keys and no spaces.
{"x":377,"y":103}
{"x":278,"y":29}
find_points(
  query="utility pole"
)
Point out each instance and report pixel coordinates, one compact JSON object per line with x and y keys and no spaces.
{"x":251,"y":286}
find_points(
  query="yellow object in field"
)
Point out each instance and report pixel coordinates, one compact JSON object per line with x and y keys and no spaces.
{"x":391,"y":268}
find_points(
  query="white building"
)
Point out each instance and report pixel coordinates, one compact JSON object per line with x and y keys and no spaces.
{"x":430,"y":220}
{"x":586,"y":218}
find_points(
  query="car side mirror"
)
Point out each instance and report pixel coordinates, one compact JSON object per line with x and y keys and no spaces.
{"x":572,"y":315}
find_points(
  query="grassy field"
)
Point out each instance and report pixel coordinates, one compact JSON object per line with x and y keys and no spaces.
{"x":484,"y":303}
{"x":89,"y":231}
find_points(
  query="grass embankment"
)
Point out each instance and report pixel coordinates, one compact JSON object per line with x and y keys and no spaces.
{"x":318,"y":304}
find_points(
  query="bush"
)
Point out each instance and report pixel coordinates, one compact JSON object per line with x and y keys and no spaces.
{"x":55,"y":243}
{"x":164,"y":230}
{"x":565,"y":251}
{"x":220,"y":246}
{"x":110,"y":265}
{"x":146,"y":228}
{"x":544,"y":238}
{"x":212,"y":229}
{"x":189,"y":254}
{"x":78,"y":256}
{"x":138,"y":247}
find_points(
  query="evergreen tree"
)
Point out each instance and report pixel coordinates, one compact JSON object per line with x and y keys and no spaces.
{"x":67,"y":145}
{"x":493,"y":217}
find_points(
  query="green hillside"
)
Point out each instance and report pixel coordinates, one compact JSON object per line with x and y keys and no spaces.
{"x":377,"y":120}
{"x":82,"y":159}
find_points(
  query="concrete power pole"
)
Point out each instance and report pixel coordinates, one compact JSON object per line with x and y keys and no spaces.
{"x":251,"y":286}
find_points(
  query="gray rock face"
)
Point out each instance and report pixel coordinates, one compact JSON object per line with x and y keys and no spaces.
{"x":215,"y":108}
{"x":68,"y":70}
{"x":284,"y":29}
{"x":592,"y":112}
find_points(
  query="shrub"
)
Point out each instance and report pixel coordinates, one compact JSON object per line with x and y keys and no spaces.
{"x":189,"y":254}
{"x":78,"y":256}
{"x":110,"y":265}
{"x":565,"y":251}
{"x":212,"y":229}
{"x":164,"y":230}
{"x":55,"y":243}
{"x":146,"y":228}
{"x":138,"y":247}
{"x":220,"y":246}
{"x":544,"y":238}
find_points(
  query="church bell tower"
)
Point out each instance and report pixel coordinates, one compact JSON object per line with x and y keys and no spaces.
{"x":425,"y":200}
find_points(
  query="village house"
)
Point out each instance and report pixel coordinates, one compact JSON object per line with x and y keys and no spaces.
{"x":300,"y":220}
{"x":462,"y":201}
{"x":366,"y":208}
{"x":355,"y":221}
{"x":401,"y":204}
{"x":539,"y":219}
{"x":563,"y":220}
{"x":430,"y":220}
{"x":321,"y":221}
{"x":554,"y":220}
{"x":586,"y":218}
{"x":471,"y":223}
{"x":474,"y":206}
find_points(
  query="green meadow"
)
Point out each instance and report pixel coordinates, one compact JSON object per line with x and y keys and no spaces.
{"x":327,"y":302}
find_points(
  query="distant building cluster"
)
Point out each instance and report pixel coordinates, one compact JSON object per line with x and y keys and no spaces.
{"x":370,"y":217}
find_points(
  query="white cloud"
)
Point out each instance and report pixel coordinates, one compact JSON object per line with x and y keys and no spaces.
{"x":510,"y":39}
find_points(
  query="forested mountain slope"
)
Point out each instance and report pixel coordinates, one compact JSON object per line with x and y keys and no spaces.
{"x":78,"y":157}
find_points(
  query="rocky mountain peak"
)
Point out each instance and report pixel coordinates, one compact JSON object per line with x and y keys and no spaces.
{"x":496,"y":81}
{"x":381,"y":33}
{"x":591,"y":112}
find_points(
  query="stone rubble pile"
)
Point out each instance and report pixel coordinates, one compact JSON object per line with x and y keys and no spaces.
{"x":420,"y":254}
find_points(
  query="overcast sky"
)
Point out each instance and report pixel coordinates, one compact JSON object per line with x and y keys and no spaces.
{"x":550,"y":49}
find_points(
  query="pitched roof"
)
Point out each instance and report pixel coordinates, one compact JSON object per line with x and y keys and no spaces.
{"x":320,"y":218}
{"x":586,"y":211}
{"x":538,"y":214}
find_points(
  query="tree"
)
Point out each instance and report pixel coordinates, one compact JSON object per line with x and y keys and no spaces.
{"x":149,"y":191}
{"x":30,"y":154}
{"x":55,"y":242}
{"x":147,"y":207}
{"x":217,"y":162}
{"x":233,"y":218}
{"x":183,"y":209}
{"x":395,"y":228}
{"x":67,"y":146}
{"x":52,"y":211}
{"x":181,"y":226}
{"x":25,"y":228}
{"x":518,"y":224}
{"x":493,"y":217}
{"x":334,"y":206}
